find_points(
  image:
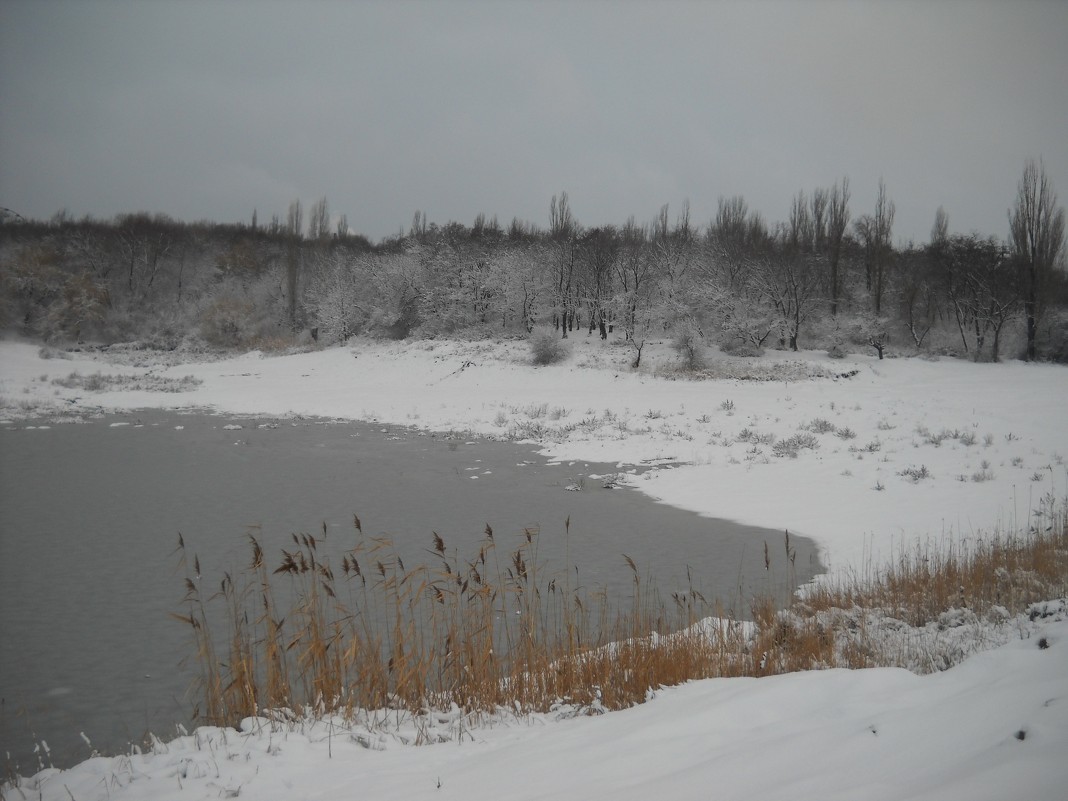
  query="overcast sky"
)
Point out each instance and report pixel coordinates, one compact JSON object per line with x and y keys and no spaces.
{"x":208,"y":110}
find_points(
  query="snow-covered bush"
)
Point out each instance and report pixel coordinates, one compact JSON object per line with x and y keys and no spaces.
{"x":820,"y":426}
{"x":231,"y":322}
{"x":546,"y":347}
{"x":791,"y":445}
{"x":690,"y":346}
{"x":915,"y":474}
{"x":1053,"y":336}
{"x":79,"y":310}
{"x":739,"y":347}
{"x":334,"y":298}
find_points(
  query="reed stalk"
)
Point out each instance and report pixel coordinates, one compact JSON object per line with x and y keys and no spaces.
{"x":484,"y":633}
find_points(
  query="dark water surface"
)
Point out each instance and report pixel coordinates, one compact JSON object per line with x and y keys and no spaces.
{"x":90,"y":516}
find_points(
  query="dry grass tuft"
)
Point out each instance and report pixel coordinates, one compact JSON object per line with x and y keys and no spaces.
{"x":910,"y":612}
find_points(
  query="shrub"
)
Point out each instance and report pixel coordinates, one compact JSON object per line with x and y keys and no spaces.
{"x":230,"y":323}
{"x":690,"y":347}
{"x":104,"y":382}
{"x":871,"y":447}
{"x":546,"y":347}
{"x":790,"y":446}
{"x":1053,"y":342}
{"x":748,"y":435}
{"x":984,"y":473}
{"x":49,"y":352}
{"x":742,"y":348}
{"x":916,"y":474}
{"x":81,"y":308}
{"x":821,"y":426}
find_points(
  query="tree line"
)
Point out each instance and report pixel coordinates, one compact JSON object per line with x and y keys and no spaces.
{"x":826,"y":277}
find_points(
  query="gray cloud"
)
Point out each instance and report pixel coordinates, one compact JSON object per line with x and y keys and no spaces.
{"x":208,"y":110}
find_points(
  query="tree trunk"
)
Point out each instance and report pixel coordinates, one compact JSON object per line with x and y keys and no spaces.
{"x":291,"y":285}
{"x":1030,"y":302}
{"x":834,"y":285}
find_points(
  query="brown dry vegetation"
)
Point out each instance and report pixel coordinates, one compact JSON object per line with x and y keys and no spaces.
{"x":491,"y":632}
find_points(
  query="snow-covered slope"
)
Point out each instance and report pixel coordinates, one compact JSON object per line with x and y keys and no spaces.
{"x":994,"y":727}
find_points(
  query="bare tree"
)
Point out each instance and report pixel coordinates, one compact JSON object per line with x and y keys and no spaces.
{"x":561,"y":223}
{"x":883,"y":228}
{"x":940,"y":229}
{"x":144,"y":243}
{"x":995,"y":290}
{"x":674,"y":253}
{"x":874,"y":233}
{"x":635,"y":271}
{"x":914,"y":282}
{"x":418,"y":229}
{"x":837,"y":224}
{"x":789,"y":281}
{"x":735,"y":236}
{"x":730,"y":226}
{"x":295,"y":219}
{"x":563,"y":234}
{"x":981,"y":285}
{"x":319,"y":220}
{"x":599,"y":248}
{"x":1037,"y":231}
{"x":639,"y":303}
{"x":337,"y":294}
{"x":819,"y":218}
{"x":524,"y":289}
{"x":800,"y":225}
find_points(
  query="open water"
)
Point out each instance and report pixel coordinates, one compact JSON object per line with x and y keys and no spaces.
{"x":90,"y":516}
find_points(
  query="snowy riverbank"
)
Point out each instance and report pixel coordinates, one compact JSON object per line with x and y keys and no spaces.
{"x":863,"y":456}
{"x":993,"y":727}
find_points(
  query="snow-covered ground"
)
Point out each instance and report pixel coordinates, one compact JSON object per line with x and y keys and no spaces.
{"x":994,"y":727}
{"x":900,"y":449}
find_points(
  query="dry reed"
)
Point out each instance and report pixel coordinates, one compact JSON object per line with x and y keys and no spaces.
{"x":492,"y":631}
